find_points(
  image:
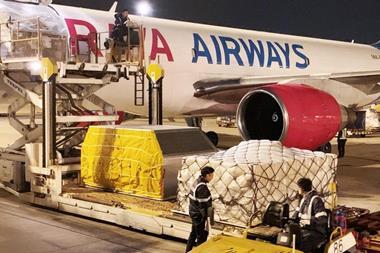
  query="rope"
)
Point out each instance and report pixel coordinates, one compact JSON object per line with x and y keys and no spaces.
{"x":250,"y":175}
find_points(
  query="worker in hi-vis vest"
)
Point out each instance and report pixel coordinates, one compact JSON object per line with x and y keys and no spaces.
{"x":312,"y":218}
{"x":200,"y":208}
{"x":342,"y":139}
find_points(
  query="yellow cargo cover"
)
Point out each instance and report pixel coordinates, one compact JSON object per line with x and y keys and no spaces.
{"x":226,"y":244}
{"x":121,"y":159}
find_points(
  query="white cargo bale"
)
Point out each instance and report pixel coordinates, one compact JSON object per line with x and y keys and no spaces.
{"x":372,"y":119}
{"x":250,"y":175}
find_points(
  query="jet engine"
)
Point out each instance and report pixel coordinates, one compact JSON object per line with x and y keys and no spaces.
{"x":295,"y":114}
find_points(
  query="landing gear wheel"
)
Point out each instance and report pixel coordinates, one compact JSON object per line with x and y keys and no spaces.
{"x":213,"y":137}
{"x":325,"y":148}
{"x":194,"y":121}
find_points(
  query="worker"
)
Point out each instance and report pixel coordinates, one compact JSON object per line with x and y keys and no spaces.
{"x":342,"y":139}
{"x":199,"y":208}
{"x":119,"y":35}
{"x":311,"y":217}
{"x":120,"y":30}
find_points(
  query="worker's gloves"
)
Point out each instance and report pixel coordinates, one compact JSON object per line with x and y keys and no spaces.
{"x":127,"y":22}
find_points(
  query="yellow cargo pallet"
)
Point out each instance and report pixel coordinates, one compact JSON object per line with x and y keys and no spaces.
{"x":126,"y":160}
{"x":227,"y":244}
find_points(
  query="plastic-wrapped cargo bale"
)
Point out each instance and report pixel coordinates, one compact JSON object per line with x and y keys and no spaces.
{"x":47,"y":15}
{"x":250,"y":175}
{"x":23,"y":30}
{"x":372,"y":119}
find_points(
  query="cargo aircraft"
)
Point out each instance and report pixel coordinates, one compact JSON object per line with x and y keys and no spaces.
{"x":298,"y":90}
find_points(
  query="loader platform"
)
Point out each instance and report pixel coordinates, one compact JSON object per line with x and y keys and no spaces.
{"x":124,"y":201}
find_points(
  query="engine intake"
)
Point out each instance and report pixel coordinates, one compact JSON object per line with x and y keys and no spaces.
{"x":295,"y":114}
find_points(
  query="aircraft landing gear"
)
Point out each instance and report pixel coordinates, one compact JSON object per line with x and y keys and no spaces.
{"x":194,"y":122}
{"x":326,"y":148}
{"x":213,"y":137}
{"x":197,"y":122}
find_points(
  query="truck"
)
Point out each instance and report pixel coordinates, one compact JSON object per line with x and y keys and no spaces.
{"x":226,"y":121}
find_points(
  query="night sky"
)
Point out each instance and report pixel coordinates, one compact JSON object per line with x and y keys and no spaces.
{"x":345,"y":20}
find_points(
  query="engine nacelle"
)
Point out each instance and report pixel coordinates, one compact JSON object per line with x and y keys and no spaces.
{"x":297,"y":115}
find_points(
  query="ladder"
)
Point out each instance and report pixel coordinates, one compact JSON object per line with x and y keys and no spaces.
{"x":139,"y":88}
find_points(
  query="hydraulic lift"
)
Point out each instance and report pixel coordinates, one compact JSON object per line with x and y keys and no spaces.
{"x":56,"y":90}
{"x":46,"y":158}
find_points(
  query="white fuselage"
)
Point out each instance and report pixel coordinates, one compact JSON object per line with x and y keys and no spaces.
{"x":191,"y":52}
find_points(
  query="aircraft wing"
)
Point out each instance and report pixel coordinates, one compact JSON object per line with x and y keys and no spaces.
{"x":354,"y":89}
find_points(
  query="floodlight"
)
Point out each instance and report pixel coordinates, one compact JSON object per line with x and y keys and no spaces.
{"x":144,"y":8}
{"x":34,"y":67}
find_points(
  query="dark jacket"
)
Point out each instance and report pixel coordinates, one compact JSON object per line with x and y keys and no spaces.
{"x":312,"y":214}
{"x":120,"y":29}
{"x":119,"y":19}
{"x":200,"y":199}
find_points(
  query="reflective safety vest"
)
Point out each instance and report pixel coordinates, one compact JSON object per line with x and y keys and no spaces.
{"x":305,"y":213}
{"x":200,"y":197}
{"x":193,"y":196}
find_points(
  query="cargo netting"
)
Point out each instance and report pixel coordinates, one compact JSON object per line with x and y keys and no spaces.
{"x":248,"y":176}
{"x":125,"y":160}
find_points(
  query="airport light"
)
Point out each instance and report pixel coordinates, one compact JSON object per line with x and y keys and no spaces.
{"x":34,"y":67}
{"x":144,"y":8}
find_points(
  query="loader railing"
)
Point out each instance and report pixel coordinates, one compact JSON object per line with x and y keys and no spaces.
{"x":100,"y":48}
{"x":29,"y":40}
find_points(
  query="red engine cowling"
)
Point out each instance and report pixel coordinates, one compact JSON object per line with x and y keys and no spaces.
{"x":295,"y":114}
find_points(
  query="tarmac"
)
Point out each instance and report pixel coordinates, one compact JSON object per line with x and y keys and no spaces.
{"x":28,"y":228}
